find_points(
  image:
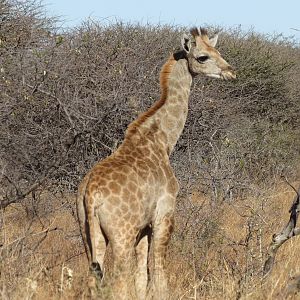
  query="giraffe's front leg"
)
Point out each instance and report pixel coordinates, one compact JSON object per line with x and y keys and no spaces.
{"x":162,"y":230}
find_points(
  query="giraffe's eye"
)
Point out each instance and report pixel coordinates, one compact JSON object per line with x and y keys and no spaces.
{"x":202,"y":59}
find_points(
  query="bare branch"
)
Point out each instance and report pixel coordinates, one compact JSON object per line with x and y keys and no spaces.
{"x":286,"y":233}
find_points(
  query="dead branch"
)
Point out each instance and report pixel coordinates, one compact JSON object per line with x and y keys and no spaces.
{"x":286,"y":233}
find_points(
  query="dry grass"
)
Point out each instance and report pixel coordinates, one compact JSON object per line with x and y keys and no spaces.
{"x":42,"y":255}
{"x":232,"y":259}
{"x":217,"y":252}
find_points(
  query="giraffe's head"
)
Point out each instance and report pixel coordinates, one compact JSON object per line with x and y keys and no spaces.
{"x":202,"y":56}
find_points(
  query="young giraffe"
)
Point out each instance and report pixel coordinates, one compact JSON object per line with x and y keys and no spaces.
{"x":128,"y":199}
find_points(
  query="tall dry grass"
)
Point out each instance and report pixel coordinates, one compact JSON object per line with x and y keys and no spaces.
{"x":214,"y":253}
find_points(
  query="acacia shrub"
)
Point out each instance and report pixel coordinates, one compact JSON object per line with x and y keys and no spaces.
{"x":67,"y":98}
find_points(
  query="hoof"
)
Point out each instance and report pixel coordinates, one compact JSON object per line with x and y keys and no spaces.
{"x":96,"y":270}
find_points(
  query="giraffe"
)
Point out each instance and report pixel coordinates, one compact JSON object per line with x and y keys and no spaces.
{"x":128,"y":199}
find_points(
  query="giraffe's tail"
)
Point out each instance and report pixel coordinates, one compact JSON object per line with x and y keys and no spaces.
{"x":82,"y":217}
{"x":87,"y":224}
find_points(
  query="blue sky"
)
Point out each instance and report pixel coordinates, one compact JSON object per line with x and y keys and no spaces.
{"x":265,"y":16}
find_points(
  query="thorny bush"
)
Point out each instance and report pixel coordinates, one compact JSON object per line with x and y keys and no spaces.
{"x":66,"y":98}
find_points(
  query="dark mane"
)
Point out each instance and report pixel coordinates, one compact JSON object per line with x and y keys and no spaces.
{"x":164,"y":86}
{"x":194,"y":31}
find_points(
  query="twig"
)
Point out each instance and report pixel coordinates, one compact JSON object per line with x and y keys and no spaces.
{"x":48,"y":229}
{"x":57,"y":99}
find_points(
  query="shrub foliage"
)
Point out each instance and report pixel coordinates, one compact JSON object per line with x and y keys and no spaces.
{"x":66,"y":97}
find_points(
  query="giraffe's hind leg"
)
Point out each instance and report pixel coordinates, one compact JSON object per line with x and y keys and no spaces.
{"x":141,"y":274}
{"x":122,"y":280}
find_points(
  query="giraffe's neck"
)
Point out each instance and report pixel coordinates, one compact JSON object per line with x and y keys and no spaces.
{"x":168,"y":115}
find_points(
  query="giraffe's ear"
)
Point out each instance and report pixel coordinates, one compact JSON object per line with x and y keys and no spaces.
{"x":213,"y":41}
{"x":186,"y":43}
